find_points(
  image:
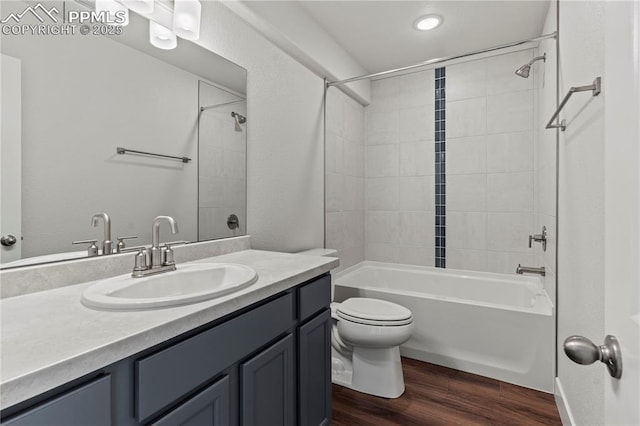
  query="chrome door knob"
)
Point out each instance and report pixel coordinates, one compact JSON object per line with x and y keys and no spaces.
{"x":8,"y":240}
{"x":583,"y":351}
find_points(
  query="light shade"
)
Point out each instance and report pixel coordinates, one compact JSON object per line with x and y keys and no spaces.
{"x":117,"y":13}
{"x":427,"y":22}
{"x":162,"y":37}
{"x":186,"y":18}
{"x":140,"y":6}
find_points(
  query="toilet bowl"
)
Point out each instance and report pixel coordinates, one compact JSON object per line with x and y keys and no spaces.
{"x":365,"y":338}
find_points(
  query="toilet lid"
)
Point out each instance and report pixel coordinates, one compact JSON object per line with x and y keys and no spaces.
{"x":373,"y":311}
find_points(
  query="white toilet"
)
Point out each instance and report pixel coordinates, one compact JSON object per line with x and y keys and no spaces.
{"x":365,"y":340}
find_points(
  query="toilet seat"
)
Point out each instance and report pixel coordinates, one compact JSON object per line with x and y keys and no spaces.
{"x":375,"y":312}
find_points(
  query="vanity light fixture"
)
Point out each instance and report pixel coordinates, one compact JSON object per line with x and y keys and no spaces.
{"x":162,"y":37}
{"x":186,"y":19}
{"x":166,"y":19}
{"x":144,"y":7}
{"x":427,"y":22}
{"x":117,"y":12}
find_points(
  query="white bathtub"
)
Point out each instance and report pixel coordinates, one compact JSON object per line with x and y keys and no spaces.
{"x":494,"y":325}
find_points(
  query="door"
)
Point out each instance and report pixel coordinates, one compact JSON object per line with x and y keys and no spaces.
{"x":209,"y":407}
{"x":314,"y":371}
{"x":10,"y":160}
{"x":268,"y":387}
{"x":622,"y":207}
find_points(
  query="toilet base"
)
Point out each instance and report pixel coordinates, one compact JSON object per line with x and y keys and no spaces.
{"x":372,"y":371}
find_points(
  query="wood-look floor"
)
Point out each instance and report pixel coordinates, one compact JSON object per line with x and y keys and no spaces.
{"x":437,"y":395}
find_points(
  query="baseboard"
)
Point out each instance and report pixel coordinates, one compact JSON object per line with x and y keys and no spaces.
{"x":563,"y":408}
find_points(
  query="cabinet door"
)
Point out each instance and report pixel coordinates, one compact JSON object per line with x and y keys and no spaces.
{"x":90,"y":404}
{"x":314,"y":371}
{"x":210,"y":407}
{"x":268,"y":388}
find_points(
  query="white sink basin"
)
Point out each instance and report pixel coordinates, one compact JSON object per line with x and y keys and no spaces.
{"x":188,"y":284}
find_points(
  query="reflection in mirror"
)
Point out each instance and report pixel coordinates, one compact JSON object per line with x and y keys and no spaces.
{"x":84,"y":96}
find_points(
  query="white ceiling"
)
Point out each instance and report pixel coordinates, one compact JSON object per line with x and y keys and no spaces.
{"x":380,"y":34}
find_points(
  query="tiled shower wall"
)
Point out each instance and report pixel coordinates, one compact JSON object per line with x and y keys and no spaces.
{"x":400,"y":183}
{"x":489,"y":166}
{"x":344,"y":171}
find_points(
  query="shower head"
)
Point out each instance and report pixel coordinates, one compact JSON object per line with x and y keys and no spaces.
{"x":524,"y":70}
{"x":240,"y":119}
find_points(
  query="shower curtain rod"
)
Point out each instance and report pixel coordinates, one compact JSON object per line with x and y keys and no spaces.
{"x":221,"y":105}
{"x":439,"y":60}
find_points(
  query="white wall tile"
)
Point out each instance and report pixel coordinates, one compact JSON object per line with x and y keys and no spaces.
{"x":335,"y":230}
{"x":382,"y":160}
{"x":382,"y":227}
{"x":416,"y":124}
{"x":382,"y":252}
{"x":504,"y":262}
{"x":382,"y":127}
{"x":416,"y":227}
{"x":352,"y":185}
{"x":510,"y":152}
{"x":353,"y":159}
{"x":466,"y":155}
{"x":466,"y":117}
{"x":510,"y":192}
{"x":467,"y":230}
{"x":382,"y":193}
{"x":417,"y":89}
{"x":510,"y":112}
{"x":334,"y":193}
{"x":501,"y":73}
{"x":417,"y":255}
{"x":416,"y":158}
{"x":467,"y":193}
{"x":470,"y":260}
{"x":384,"y":95}
{"x":416,"y":193}
{"x":334,"y":153}
{"x":510,"y":231}
{"x":466,"y":80}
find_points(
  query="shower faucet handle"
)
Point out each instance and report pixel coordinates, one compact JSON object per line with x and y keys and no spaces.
{"x":540,"y":238}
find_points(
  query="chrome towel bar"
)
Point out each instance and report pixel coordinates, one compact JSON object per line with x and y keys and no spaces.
{"x":121,"y":150}
{"x":595,"y":88}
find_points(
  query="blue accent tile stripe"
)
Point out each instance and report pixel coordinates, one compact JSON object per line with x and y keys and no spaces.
{"x":440,"y":169}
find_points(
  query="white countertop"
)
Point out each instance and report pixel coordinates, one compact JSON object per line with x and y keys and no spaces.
{"x":49,"y":338}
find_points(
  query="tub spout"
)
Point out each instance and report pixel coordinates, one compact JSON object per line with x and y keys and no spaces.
{"x":530,"y":270}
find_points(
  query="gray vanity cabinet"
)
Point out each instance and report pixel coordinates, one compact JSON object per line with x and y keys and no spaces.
{"x":209,"y":407}
{"x":314,"y":370}
{"x":268,"y":386}
{"x":89,"y":404}
{"x":267,"y":364}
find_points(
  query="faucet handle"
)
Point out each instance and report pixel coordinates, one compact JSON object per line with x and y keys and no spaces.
{"x":167,"y":257}
{"x":92,"y":250}
{"x":121,"y":245}
{"x":141,"y":261}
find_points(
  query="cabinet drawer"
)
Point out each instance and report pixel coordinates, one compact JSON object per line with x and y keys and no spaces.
{"x":314,"y":297}
{"x":209,"y":407}
{"x":89,"y":404}
{"x":164,"y":377}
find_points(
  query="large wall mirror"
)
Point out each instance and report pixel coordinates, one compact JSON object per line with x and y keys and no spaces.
{"x":70,"y":101}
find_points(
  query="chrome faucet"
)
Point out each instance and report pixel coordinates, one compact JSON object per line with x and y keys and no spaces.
{"x":107,"y":243}
{"x":540,"y":238}
{"x":530,"y":270}
{"x":156,"y":258}
{"x":160,"y":258}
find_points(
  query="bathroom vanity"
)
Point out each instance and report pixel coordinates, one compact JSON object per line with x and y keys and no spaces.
{"x":266,"y":362}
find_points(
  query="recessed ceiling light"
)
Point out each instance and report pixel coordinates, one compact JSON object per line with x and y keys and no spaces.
{"x":427,"y":22}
